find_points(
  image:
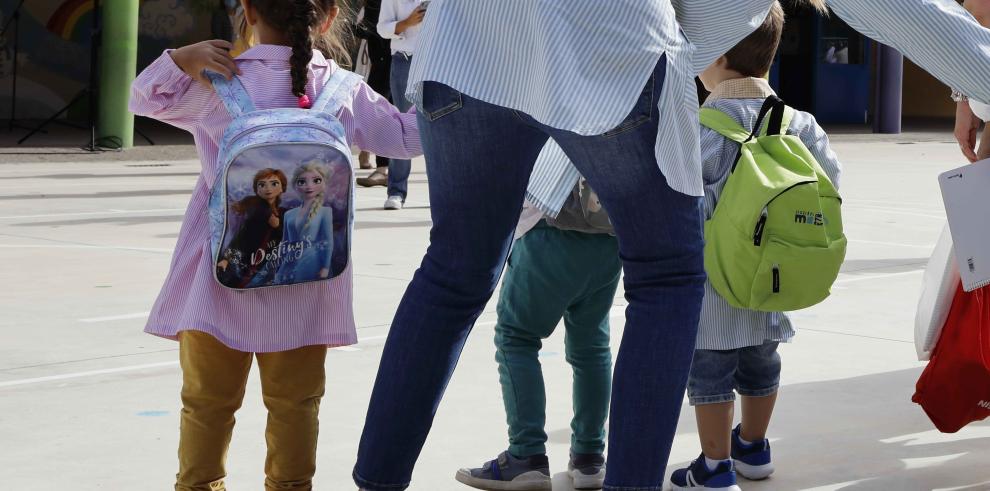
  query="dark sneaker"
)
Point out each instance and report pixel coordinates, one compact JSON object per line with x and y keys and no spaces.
{"x":507,"y":473}
{"x":587,"y":470}
{"x":751,"y":461}
{"x":699,"y":476}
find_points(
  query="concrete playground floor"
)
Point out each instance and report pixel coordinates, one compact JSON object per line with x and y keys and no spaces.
{"x":89,"y":402}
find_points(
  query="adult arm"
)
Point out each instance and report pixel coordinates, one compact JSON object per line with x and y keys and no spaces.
{"x":714,"y":35}
{"x":967,"y":126}
{"x":938,"y":35}
{"x":390,"y":26}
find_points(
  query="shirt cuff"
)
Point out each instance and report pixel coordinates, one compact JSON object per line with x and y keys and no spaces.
{"x":166,"y":72}
{"x":387,"y":30}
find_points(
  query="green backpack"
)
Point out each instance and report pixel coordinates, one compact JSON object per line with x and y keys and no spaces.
{"x":775,"y":241}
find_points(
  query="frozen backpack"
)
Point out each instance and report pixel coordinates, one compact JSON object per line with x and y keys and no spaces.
{"x":282,"y":204}
{"x":775,"y":241}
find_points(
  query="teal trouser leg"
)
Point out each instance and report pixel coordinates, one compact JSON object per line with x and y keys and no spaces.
{"x":588,"y":352}
{"x":550,"y":272}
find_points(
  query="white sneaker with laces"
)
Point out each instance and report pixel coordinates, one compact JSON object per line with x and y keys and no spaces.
{"x":394,"y":203}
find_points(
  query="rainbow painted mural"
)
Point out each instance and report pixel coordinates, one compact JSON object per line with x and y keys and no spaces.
{"x":72,"y":20}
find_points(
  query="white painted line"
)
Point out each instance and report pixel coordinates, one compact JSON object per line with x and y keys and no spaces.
{"x":892,"y":244}
{"x":898,"y":212}
{"x":66,"y":376}
{"x":877,"y":277}
{"x":92,"y":213}
{"x":130,"y":368}
{"x":136,"y":315}
{"x":85,"y":246}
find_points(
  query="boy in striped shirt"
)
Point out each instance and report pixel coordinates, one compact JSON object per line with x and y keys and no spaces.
{"x":736,"y":350}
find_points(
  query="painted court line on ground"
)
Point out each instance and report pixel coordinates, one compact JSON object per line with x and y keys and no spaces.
{"x":878,"y":276}
{"x":131,"y":368}
{"x":136,"y":315}
{"x":85,"y":246}
{"x":92,"y":213}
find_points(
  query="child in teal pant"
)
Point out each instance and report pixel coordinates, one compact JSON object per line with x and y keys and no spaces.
{"x":566,"y":268}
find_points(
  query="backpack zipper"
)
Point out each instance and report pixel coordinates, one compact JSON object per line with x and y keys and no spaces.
{"x":760,"y":227}
{"x":762,"y":223}
{"x":776,"y":278}
{"x":275,"y":125}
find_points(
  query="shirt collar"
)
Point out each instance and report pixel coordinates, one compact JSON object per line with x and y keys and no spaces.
{"x":274,"y":52}
{"x":741,"y":88}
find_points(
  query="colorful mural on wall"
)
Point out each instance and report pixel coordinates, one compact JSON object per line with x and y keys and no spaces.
{"x":55,"y":37}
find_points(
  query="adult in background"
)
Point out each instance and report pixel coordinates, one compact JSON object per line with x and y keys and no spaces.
{"x":612,"y":84}
{"x":380,"y":58}
{"x":400,"y":22}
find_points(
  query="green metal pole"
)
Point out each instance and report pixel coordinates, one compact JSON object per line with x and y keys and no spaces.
{"x":118,"y":68}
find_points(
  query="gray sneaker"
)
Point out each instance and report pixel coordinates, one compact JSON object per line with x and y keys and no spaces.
{"x":507,"y":473}
{"x":587,"y":471}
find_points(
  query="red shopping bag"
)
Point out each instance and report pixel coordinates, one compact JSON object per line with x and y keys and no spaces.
{"x":954,"y":390}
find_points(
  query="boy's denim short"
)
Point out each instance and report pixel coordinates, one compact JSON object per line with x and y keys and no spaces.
{"x":753,"y":371}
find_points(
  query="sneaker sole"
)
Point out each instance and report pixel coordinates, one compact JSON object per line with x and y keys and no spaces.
{"x":753,"y":472}
{"x":675,"y":487}
{"x":584,"y":482}
{"x":370,"y":184}
{"x":529,"y":481}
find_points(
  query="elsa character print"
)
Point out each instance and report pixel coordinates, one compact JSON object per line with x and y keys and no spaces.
{"x":245,"y":262}
{"x":307,"y":238}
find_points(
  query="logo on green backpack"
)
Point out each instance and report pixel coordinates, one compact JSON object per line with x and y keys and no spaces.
{"x":810,"y":217}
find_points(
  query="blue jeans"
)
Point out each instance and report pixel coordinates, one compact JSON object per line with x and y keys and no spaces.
{"x":478,"y":149}
{"x":753,"y":371}
{"x":398,"y":169}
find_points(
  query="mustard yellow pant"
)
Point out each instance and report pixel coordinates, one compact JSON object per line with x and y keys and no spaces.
{"x":213,"y":382}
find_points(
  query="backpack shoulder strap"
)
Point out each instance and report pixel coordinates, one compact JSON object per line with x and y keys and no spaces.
{"x":780,"y":119}
{"x":723,"y":124}
{"x":336,"y":91}
{"x":232,"y":93}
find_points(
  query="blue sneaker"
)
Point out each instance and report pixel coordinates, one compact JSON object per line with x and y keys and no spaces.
{"x":508,"y":473}
{"x":751,"y":461}
{"x":699,"y":476}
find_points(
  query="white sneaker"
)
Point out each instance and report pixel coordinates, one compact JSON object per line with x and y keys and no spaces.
{"x":394,"y":203}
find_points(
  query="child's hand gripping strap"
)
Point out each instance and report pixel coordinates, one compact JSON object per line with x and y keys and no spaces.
{"x":232,"y":93}
{"x":336,"y":92}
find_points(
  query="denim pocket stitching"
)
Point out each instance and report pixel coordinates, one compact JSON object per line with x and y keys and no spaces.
{"x":443,"y":111}
{"x":632,"y":124}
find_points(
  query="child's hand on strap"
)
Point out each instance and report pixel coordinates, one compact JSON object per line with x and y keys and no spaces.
{"x":207,"y":55}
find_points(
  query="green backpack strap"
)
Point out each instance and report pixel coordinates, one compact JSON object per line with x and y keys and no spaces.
{"x":723,"y":124}
{"x":780,"y":117}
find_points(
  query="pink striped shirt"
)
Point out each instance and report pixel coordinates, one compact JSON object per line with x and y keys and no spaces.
{"x":272,"y":319}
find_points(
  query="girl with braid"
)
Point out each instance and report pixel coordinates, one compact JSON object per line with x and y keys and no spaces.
{"x":287,"y":329}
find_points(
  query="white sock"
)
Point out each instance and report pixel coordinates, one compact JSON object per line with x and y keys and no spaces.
{"x":743,"y":441}
{"x":712,"y":464}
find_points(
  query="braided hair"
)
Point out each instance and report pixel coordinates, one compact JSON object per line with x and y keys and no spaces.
{"x":301,"y":20}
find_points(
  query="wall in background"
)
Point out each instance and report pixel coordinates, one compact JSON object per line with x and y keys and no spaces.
{"x":53,"y":65}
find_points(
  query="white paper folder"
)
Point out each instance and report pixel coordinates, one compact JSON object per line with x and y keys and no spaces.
{"x":966,"y":193}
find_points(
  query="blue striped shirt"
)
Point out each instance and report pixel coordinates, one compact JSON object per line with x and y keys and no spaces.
{"x":722,"y":326}
{"x":579,"y":65}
